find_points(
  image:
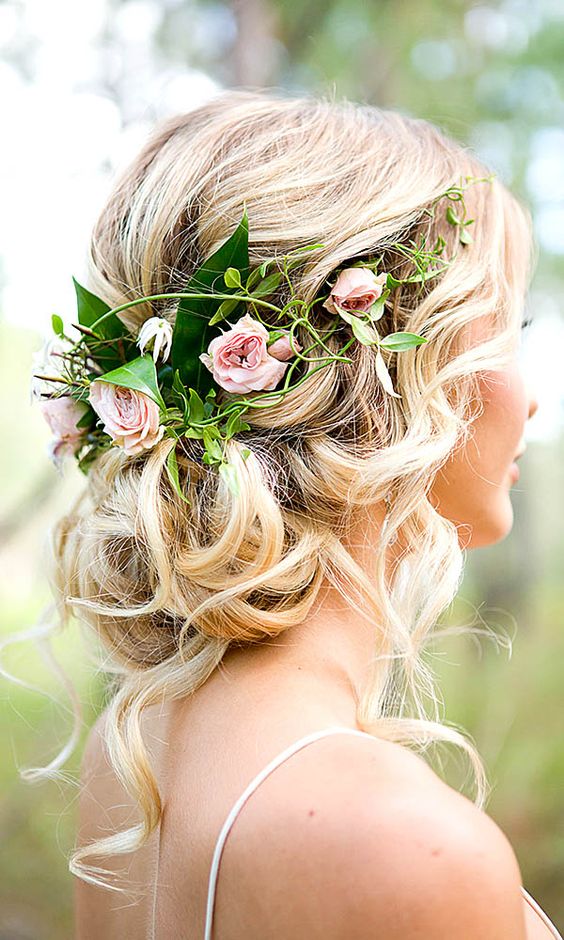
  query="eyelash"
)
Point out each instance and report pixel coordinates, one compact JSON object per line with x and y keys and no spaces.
{"x":526,"y":323}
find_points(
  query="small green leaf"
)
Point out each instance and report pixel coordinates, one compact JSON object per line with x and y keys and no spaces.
{"x":195,"y":434}
{"x":235,"y":424}
{"x":232,"y":277}
{"x":274,"y":335}
{"x":214,"y":451}
{"x":264,"y":267}
{"x":224,"y":310}
{"x":58,"y":325}
{"x":363,"y":332}
{"x":267,"y":286}
{"x":179,"y":395}
{"x":196,"y":407}
{"x":140,"y":374}
{"x":452,"y":217}
{"x":245,"y":453}
{"x":392,"y":281}
{"x":378,"y":307}
{"x":173,"y":474}
{"x":213,"y":432}
{"x":90,"y":307}
{"x":400,"y":342}
{"x":465,"y":237}
{"x":111,"y":346}
{"x":88,"y":419}
{"x":229,"y":474}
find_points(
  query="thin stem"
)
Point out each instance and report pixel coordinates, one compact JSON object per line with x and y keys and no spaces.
{"x":208,"y":296}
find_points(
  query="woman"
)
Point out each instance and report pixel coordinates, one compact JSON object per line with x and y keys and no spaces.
{"x":267,"y":637}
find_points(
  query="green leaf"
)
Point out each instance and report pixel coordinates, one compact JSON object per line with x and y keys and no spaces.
{"x":400,"y":342}
{"x":179,"y":395}
{"x":232,"y":278}
{"x":91,"y":308}
{"x":224,"y":310}
{"x":235,"y":424}
{"x":452,"y":217}
{"x":196,"y":434}
{"x":140,"y":375}
{"x":245,"y":453}
{"x":111,"y":346}
{"x":392,"y":281}
{"x":173,"y":474}
{"x":363,"y":332}
{"x":229,"y":474}
{"x":214,"y":451}
{"x":274,"y":335}
{"x":378,"y":307}
{"x":256,"y":275}
{"x":213,"y":432}
{"x":465,"y":237}
{"x":267,"y":286}
{"x":88,"y":419}
{"x":196,"y":407}
{"x":192,"y":333}
{"x":58,"y":325}
{"x":209,"y":403}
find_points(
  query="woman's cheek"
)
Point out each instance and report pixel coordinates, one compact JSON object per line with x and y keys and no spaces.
{"x":472,"y":489}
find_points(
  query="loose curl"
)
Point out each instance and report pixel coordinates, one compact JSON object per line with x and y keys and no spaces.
{"x":170,"y":588}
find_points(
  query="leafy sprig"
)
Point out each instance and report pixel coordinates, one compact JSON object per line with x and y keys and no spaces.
{"x":223,"y":286}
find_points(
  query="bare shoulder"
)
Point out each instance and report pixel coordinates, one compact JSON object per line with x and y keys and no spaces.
{"x":357,"y":838}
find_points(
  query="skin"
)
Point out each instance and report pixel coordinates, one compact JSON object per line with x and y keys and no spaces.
{"x":473,"y":489}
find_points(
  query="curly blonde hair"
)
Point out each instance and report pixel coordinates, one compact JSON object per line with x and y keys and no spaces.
{"x":170,"y":588}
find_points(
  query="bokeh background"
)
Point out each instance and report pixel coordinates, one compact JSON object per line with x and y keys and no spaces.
{"x":81,"y":84}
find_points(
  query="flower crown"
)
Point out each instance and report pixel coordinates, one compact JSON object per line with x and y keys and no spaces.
{"x":113,"y":387}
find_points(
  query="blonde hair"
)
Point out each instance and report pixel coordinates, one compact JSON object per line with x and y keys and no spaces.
{"x":170,"y":587}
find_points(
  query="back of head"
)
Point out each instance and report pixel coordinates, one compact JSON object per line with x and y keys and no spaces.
{"x":170,"y":586}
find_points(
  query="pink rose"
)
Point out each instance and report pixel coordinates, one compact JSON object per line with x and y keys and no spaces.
{"x":281,"y":348}
{"x":130,"y":417}
{"x":356,"y":289}
{"x":240,"y":361}
{"x":62,"y":414}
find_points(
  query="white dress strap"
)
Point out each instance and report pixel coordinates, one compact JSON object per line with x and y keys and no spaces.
{"x":544,"y":917}
{"x":255,"y":782}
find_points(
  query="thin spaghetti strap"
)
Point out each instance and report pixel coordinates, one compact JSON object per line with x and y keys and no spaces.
{"x":255,"y":782}
{"x":544,"y":917}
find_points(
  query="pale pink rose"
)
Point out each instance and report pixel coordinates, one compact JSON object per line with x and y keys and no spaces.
{"x":62,"y":414}
{"x":356,"y":289}
{"x":240,"y":361}
{"x":130,"y":417}
{"x":281,"y":348}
